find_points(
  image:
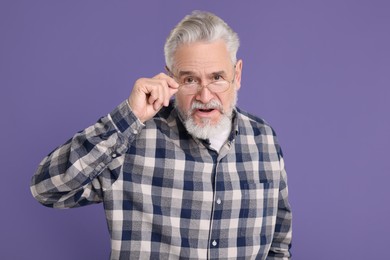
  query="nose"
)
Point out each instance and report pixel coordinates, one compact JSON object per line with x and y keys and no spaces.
{"x":204,"y":95}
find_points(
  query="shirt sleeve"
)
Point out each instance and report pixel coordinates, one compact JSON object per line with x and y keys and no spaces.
{"x":281,"y":243}
{"x":77,"y":172}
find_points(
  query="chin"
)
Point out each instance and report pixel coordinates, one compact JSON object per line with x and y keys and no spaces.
{"x":206,"y":121}
{"x":206,"y":129}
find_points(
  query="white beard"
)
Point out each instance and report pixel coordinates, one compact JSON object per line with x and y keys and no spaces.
{"x":207,"y":130}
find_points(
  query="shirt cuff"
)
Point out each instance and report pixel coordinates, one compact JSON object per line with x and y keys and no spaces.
{"x":125,"y":120}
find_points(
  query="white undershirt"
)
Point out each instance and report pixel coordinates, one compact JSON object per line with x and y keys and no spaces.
{"x":216,"y":142}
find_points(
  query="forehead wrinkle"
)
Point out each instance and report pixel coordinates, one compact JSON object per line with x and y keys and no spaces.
{"x":198,"y":67}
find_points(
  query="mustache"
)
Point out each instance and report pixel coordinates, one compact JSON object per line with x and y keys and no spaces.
{"x":213,"y":104}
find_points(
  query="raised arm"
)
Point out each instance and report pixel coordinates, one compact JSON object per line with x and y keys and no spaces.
{"x":76,"y":173}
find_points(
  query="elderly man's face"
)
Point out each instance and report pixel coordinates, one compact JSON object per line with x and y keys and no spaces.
{"x":205,"y":62}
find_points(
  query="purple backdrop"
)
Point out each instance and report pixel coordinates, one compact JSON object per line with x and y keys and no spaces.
{"x":318,"y":71}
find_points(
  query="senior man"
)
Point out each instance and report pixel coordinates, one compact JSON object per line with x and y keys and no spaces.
{"x":181,"y":171}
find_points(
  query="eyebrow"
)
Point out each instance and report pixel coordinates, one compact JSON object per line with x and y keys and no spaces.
{"x":185,"y":73}
{"x":221,"y":72}
{"x":191,"y":73}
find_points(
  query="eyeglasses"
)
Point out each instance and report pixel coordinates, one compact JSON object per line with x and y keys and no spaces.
{"x":189,"y":85}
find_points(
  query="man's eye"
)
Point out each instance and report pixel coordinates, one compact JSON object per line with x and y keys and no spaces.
{"x":189,"y":80}
{"x":217,"y":77}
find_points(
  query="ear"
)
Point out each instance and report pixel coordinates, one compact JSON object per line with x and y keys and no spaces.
{"x":237,"y":78}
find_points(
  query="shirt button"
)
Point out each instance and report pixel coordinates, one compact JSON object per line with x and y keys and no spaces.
{"x":113,"y":155}
{"x":214,"y":243}
{"x":219,"y":201}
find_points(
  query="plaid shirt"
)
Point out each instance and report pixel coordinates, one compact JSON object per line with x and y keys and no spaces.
{"x":167,"y":195}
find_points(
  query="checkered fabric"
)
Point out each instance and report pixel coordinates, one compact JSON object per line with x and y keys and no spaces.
{"x":167,"y":195}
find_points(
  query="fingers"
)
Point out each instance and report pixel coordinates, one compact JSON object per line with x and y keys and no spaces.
{"x":168,"y":87}
{"x":156,"y":97}
{"x":149,"y":95}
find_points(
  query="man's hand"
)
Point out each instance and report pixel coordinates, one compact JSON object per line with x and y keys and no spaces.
{"x":149,"y":95}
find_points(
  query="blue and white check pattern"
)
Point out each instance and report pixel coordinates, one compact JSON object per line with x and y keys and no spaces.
{"x":169,"y":196}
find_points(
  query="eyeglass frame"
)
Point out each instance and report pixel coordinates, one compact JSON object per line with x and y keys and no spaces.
{"x":200,"y":86}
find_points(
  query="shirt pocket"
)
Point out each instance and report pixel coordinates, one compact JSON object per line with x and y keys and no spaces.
{"x":259,"y":193}
{"x":258,"y":210}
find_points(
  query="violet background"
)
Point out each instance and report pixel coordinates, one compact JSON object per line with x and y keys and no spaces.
{"x":318,"y":71}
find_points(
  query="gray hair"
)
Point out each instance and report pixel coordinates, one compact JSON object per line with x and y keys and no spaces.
{"x":197,"y":27}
